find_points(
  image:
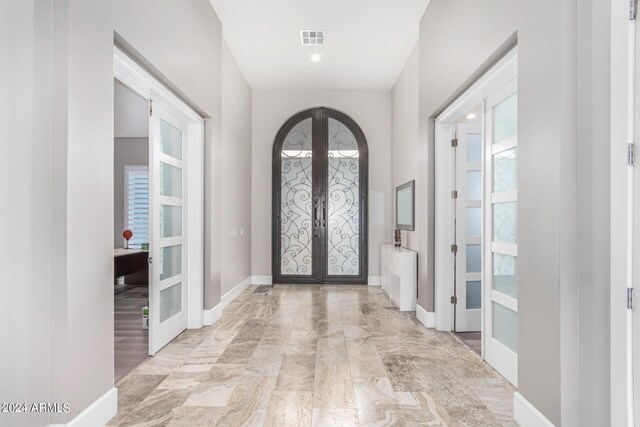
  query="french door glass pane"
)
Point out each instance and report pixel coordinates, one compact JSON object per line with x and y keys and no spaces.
{"x":170,"y":221}
{"x":473,"y":221}
{"x":474,"y":148}
{"x":343,"y":202}
{"x":474,"y":258}
{"x":505,"y":170}
{"x":505,"y":326}
{"x":170,"y":261}
{"x":170,"y":180}
{"x":473,"y":294}
{"x":505,"y":119}
{"x":505,"y":222}
{"x":505,"y":274}
{"x":296,"y":202}
{"x":474,"y":185}
{"x":170,"y":140}
{"x":170,"y":301}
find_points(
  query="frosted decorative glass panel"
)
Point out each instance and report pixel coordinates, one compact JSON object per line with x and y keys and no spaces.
{"x":505,"y":119}
{"x":505,"y":326}
{"x":505,"y":274}
{"x":343,"y":202}
{"x":170,"y":180}
{"x":473,"y":294}
{"x":170,"y":261}
{"x":170,"y":140}
{"x":296,"y":202}
{"x":170,"y":221}
{"x":505,"y":171}
{"x":473,"y":259}
{"x":474,"y":185}
{"x":474,"y":148}
{"x":505,"y":222}
{"x":170,"y":301}
{"x":474,"y":216}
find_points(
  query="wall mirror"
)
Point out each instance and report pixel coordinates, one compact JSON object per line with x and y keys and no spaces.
{"x":405,"y":209}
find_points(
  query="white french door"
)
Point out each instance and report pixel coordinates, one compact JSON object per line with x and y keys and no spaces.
{"x":167,"y":190}
{"x":468,"y":226}
{"x":501,"y":230}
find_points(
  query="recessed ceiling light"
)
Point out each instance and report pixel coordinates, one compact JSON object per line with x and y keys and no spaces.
{"x":471,"y":116}
{"x":315,"y":57}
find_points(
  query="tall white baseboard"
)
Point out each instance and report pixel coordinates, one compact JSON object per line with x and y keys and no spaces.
{"x":98,"y":413}
{"x":374,"y":280}
{"x":262,"y":280}
{"x":526,"y":414}
{"x":425,"y":317}
{"x":234,"y":292}
{"x":211,"y":315}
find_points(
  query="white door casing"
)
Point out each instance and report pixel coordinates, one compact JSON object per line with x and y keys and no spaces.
{"x":175,"y":111}
{"x":486,"y":92}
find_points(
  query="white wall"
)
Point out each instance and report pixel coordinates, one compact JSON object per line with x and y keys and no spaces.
{"x":561,"y":283}
{"x":370,"y":109}
{"x":405,"y":97}
{"x":57,"y":146}
{"x":235,"y":239}
{"x":26,"y":151}
{"x":126,"y":152}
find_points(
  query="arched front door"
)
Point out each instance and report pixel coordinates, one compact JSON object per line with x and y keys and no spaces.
{"x":320,"y":187}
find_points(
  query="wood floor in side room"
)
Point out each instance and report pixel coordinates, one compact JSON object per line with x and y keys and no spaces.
{"x":131,"y":341}
{"x":322,"y":355}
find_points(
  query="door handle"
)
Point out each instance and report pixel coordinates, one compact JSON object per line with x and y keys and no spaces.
{"x":324,"y":214}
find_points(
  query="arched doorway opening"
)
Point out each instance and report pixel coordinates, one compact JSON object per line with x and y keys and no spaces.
{"x":319,"y":200}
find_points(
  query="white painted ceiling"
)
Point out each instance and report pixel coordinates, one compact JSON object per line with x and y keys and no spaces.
{"x":367,"y":42}
{"x":131,"y":117}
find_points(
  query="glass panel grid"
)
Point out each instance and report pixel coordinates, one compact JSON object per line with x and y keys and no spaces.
{"x":474,"y":185}
{"x":505,"y":119}
{"x":170,"y":261}
{"x":170,"y":221}
{"x":505,"y":274}
{"x":170,"y":140}
{"x":474,"y":290}
{"x":296,"y":202}
{"x":343,"y":202}
{"x":505,"y":326}
{"x":170,"y":180}
{"x":170,"y":301}
{"x":474,"y":258}
{"x":505,"y":170}
{"x":474,"y":148}
{"x":505,"y":222}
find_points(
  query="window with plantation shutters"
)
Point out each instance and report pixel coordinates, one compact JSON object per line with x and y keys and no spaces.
{"x":136,"y":204}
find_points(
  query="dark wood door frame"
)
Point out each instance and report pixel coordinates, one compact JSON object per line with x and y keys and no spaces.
{"x":320,"y":121}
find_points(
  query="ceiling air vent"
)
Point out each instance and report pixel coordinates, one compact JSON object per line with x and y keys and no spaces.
{"x":312,"y":37}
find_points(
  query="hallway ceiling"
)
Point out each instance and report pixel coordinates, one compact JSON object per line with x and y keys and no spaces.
{"x":367,"y":42}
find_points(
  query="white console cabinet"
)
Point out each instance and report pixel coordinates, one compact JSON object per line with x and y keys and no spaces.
{"x":399,"y":271}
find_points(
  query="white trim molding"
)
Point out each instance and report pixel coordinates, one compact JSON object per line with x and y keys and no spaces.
{"x":526,"y":414}
{"x":374,"y":280}
{"x":211,"y":315}
{"x":99,"y":413}
{"x":234,"y":292}
{"x":262,"y":280}
{"x":427,"y":318}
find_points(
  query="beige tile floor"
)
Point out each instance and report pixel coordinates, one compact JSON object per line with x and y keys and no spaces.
{"x":321,"y":355}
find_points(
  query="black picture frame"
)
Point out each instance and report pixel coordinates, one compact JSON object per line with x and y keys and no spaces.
{"x":402,"y":188}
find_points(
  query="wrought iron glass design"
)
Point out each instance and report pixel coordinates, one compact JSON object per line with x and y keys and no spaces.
{"x":296,"y":203}
{"x":343,"y":202}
